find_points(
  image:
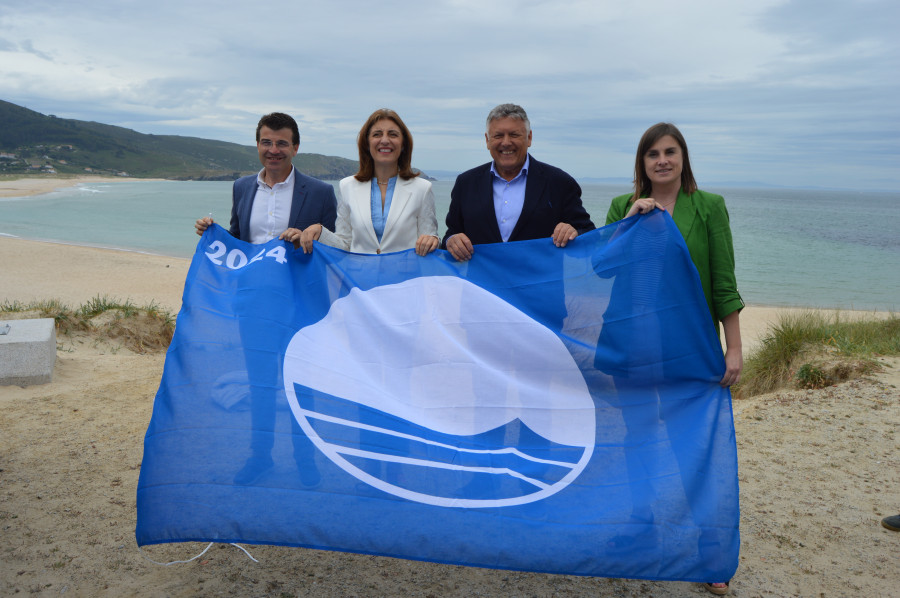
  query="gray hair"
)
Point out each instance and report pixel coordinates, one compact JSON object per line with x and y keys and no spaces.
{"x":507,"y":111}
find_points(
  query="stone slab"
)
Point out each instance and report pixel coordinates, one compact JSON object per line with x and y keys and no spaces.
{"x":27,"y":352}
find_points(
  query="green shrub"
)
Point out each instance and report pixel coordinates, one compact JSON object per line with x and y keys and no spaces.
{"x":785,"y":354}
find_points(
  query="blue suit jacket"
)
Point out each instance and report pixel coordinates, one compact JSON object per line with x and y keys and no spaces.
{"x":551,"y":197}
{"x":314,"y":203}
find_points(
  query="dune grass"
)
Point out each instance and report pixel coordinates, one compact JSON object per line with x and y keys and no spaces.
{"x":813,"y":349}
{"x":139,"y":328}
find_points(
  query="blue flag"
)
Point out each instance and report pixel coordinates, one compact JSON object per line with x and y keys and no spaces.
{"x":534,"y":408}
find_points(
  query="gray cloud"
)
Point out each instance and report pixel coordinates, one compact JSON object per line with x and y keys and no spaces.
{"x":785,"y":92}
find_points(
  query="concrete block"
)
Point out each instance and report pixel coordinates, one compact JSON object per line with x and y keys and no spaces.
{"x":27,"y":352}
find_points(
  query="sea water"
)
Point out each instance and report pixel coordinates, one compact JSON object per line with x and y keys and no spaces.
{"x":793,"y":247}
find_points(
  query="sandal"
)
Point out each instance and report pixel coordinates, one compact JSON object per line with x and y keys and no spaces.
{"x":717,"y":590}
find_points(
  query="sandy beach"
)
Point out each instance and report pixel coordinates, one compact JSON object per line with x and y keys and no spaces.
{"x":28,"y":186}
{"x":818,"y":470}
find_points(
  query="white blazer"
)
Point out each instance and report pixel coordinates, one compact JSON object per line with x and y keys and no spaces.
{"x":411,"y":215}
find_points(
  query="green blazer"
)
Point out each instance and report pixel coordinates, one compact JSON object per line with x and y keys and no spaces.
{"x":703,"y":221}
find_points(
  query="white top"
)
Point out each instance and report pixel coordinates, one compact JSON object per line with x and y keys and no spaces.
{"x":412,"y":214}
{"x":271,"y":211}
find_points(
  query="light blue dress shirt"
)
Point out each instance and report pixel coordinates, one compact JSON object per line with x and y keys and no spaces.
{"x":379,"y":216}
{"x":509,"y":197}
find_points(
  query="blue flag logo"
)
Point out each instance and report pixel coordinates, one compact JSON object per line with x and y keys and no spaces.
{"x":452,"y":415}
{"x":534,"y":408}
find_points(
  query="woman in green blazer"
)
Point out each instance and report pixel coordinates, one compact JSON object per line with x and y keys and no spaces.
{"x":663,"y":179}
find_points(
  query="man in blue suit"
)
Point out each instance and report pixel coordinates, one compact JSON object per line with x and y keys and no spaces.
{"x":278,"y":201}
{"x":515,"y":197}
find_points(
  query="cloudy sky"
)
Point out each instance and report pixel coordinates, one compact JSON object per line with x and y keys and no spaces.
{"x":782,"y":92}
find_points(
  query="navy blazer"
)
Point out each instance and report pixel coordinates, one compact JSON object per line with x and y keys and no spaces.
{"x":551,"y":197}
{"x":314,"y":202}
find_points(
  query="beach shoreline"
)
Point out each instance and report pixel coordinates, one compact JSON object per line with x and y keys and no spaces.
{"x":29,"y":186}
{"x":75,"y":274}
{"x":767,"y":284}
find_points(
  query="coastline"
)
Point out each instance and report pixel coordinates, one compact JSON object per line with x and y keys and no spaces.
{"x":790,"y":285}
{"x":75,"y":274}
{"x":38,"y":185}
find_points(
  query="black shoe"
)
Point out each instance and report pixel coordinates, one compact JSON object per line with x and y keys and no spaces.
{"x":892,"y":523}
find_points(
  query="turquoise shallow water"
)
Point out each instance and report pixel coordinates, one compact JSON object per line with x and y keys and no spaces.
{"x":793,"y":247}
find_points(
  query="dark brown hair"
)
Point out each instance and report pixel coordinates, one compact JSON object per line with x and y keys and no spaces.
{"x":642,"y":185}
{"x":367,"y":164}
{"x":277,"y":121}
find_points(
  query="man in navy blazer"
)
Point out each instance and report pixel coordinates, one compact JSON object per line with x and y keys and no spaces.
{"x":515,"y":197}
{"x":278,"y":201}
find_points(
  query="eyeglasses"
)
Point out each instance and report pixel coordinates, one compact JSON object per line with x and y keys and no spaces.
{"x":281,"y":144}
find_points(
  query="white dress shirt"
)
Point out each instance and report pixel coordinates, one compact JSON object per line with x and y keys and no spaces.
{"x":271,"y":209}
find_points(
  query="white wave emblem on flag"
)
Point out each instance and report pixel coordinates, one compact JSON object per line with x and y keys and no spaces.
{"x":437,"y":391}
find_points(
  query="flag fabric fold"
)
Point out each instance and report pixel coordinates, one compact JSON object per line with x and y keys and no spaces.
{"x":534,"y":408}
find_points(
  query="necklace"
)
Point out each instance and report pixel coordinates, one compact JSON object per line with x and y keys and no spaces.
{"x":385,"y":183}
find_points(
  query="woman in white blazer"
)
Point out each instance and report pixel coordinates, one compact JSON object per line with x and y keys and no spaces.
{"x":385,"y":206}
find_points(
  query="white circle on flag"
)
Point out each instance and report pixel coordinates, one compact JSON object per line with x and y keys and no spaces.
{"x":438,"y":391}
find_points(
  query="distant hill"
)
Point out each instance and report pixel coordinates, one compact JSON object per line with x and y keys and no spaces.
{"x":34,"y":142}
